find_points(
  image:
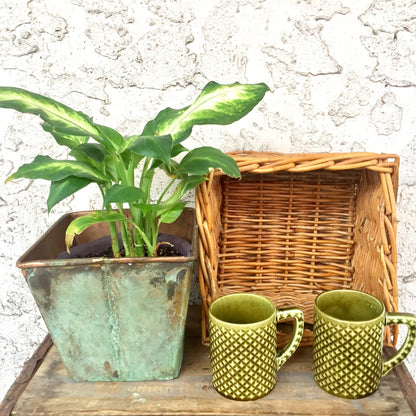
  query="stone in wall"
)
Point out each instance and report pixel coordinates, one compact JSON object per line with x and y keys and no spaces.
{"x":357,"y":147}
{"x":107,"y":8}
{"x":395,"y":55}
{"x":282,"y":125}
{"x":111,"y":41}
{"x":354,"y":96}
{"x":17,"y":36}
{"x":291,"y":39}
{"x":137,"y":44}
{"x":297,"y":56}
{"x":144,"y":64}
{"x":407,"y":233}
{"x":172,"y":10}
{"x":323,"y":9}
{"x":47,"y":21}
{"x":285,"y":78}
{"x":160,"y":69}
{"x":224,"y":40}
{"x":24,"y":29}
{"x":386,"y":115}
{"x":303,"y":50}
{"x":390,"y":16}
{"x":309,"y":138}
{"x":408,"y":164}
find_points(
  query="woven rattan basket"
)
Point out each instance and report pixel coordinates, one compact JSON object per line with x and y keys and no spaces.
{"x":296,"y":225}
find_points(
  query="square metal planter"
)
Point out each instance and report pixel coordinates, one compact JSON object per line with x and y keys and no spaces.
{"x":113,"y":319}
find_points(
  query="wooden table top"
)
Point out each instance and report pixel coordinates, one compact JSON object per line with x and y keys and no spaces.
{"x":51,"y":392}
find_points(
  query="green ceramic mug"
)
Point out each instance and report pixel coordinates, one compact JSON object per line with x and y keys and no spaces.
{"x":243,"y":335}
{"x":348,"y":340}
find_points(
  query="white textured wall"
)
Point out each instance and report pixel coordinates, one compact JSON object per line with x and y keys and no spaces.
{"x":343,"y":75}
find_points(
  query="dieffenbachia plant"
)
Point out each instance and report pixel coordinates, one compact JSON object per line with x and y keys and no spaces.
{"x":101,"y":155}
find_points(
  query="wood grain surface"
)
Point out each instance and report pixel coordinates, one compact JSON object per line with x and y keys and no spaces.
{"x":51,"y":392}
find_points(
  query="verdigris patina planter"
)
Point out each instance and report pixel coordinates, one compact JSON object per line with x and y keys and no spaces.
{"x":113,"y":319}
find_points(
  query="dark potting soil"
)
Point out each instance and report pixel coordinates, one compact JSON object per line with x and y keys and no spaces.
{"x":168,"y":250}
{"x":169,"y":246}
{"x":163,"y":250}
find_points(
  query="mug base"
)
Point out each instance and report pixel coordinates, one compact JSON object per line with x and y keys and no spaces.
{"x":242,"y":397}
{"x":346,"y":395}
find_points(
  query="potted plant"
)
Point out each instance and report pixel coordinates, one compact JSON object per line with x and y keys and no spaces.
{"x":122,"y":317}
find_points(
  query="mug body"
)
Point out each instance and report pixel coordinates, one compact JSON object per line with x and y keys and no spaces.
{"x":347,"y":345}
{"x":242,"y":329}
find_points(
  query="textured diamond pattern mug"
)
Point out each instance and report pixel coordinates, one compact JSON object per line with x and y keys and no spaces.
{"x":348,"y":340}
{"x":243,"y":334}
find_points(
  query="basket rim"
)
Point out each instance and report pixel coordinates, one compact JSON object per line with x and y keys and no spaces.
{"x":269,"y":162}
{"x":271,"y":156}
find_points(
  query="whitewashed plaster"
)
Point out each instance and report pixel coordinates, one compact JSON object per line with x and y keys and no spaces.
{"x":342,"y":73}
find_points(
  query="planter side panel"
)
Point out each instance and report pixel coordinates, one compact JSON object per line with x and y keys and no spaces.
{"x":115,"y":321}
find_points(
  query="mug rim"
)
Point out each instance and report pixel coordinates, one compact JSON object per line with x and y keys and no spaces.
{"x":377,"y":318}
{"x":250,"y":325}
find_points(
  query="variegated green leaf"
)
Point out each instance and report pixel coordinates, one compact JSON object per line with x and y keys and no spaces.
{"x":169,"y":214}
{"x":60,"y":190}
{"x":202,"y":160}
{"x":171,"y":171}
{"x":112,"y":139}
{"x":93,"y":151}
{"x":65,"y":139}
{"x":122,"y":193}
{"x":60,"y":117}
{"x":186,"y":184}
{"x":177,"y":149}
{"x":44,"y":167}
{"x":189,"y":183}
{"x":81,"y":223}
{"x":217,"y":104}
{"x":154,"y":147}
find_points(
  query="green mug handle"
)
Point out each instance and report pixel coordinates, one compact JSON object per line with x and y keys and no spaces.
{"x":393,"y":318}
{"x":293,"y":344}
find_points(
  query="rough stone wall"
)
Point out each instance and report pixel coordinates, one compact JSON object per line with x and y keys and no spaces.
{"x":343,"y":76}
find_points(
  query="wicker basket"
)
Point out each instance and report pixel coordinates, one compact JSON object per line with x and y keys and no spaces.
{"x":296,"y":225}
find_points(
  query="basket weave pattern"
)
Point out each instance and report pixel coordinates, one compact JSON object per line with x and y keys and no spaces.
{"x":297,"y":225}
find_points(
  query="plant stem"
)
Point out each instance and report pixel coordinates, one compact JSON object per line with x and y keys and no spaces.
{"x":146,"y":180}
{"x":114,"y":236}
{"x":159,"y":201}
{"x":148,"y":243}
{"x":126,"y":176}
{"x":143,"y":223}
{"x":126,"y":234}
{"x":113,"y":228}
{"x":137,"y":220}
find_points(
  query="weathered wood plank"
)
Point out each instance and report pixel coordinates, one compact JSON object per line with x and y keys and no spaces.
{"x":51,"y":392}
{"x":29,"y":368}
{"x":405,"y":380}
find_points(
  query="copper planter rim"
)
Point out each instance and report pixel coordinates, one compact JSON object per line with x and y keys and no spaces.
{"x":30,"y":258}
